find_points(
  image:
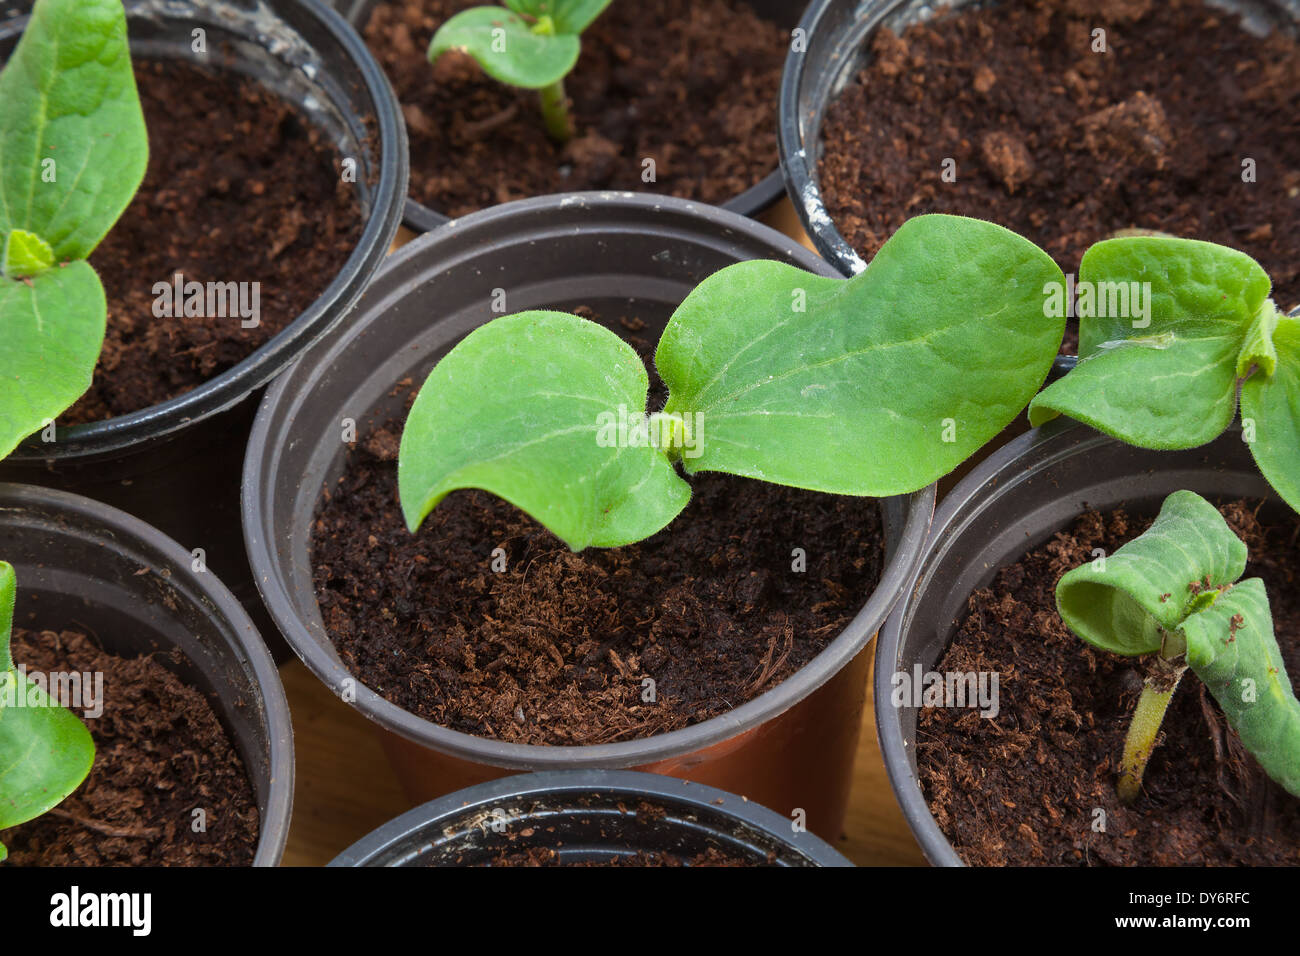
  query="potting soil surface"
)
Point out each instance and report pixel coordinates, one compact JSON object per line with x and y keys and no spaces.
{"x":1186,"y":124}
{"x":167,"y":787}
{"x":241,"y":189}
{"x":689,"y":85}
{"x":1028,"y":786}
{"x":742,"y":589}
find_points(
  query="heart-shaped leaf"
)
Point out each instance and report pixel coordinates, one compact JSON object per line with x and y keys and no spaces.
{"x":53,"y":331}
{"x":507,"y":49}
{"x":877,"y":385}
{"x":45,"y":751}
{"x":528,"y":407}
{"x":73,"y":147}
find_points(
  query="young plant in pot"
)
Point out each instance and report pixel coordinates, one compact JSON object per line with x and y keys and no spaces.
{"x":675,"y":97}
{"x":185,"y":756}
{"x":1175,"y":592}
{"x":1066,"y":122}
{"x":533,"y":45}
{"x":237,"y":250}
{"x":72,"y":154}
{"x":590,"y":818}
{"x":725,"y":648}
{"x":1165,"y":381}
{"x":849,"y":388}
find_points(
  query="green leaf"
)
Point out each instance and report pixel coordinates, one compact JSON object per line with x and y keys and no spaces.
{"x":25,"y":255}
{"x":1128,"y":602}
{"x":877,"y":385}
{"x":1232,"y":648}
{"x":8,"y":596}
{"x":521,"y":407}
{"x":506,"y":48}
{"x":45,"y":751}
{"x":1167,"y":379}
{"x":1121,"y":602}
{"x":1270,"y":414}
{"x":73,"y":146}
{"x":53,"y":330}
{"x":570,"y":16}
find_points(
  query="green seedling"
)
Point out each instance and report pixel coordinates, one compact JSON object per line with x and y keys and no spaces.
{"x":875,"y":385}
{"x":1174,"y":592}
{"x":73,"y":151}
{"x":45,"y":750}
{"x":533,"y":45}
{"x":1209,"y":336}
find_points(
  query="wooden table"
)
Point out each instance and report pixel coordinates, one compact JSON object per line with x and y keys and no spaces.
{"x":345,"y":787}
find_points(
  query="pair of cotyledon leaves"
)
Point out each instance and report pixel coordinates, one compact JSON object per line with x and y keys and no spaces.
{"x":1172,"y":379}
{"x":532,"y":44}
{"x":1181,"y":577}
{"x":73,"y":151}
{"x":875,"y":385}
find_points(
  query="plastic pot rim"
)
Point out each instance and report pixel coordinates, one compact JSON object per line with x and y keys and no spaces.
{"x":409,"y":827}
{"x":851,"y":641}
{"x":751,"y":204}
{"x":115,"y":435}
{"x":111,"y":524}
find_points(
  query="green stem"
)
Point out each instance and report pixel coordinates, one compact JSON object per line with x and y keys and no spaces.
{"x":555,"y":112}
{"x":1144,"y":729}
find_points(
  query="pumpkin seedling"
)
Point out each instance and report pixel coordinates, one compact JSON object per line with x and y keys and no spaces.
{"x":73,"y":152}
{"x":876,"y":385}
{"x":1174,"y":592}
{"x":45,"y":750}
{"x":534,"y":45}
{"x":1209,"y":336}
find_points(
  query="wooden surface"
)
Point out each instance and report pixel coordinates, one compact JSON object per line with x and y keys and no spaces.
{"x":345,"y":787}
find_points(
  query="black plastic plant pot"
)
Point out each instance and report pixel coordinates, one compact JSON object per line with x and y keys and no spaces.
{"x":1013,"y":502}
{"x":753,"y":202}
{"x":176,"y":464}
{"x":85,"y":566}
{"x":836,"y":33}
{"x":617,"y":254}
{"x":589,"y":817}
